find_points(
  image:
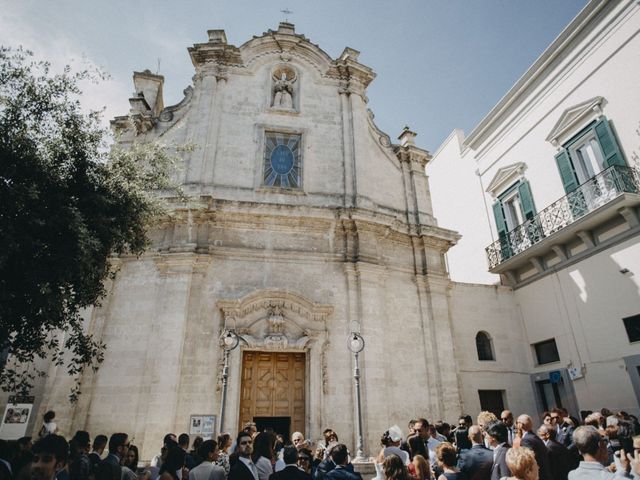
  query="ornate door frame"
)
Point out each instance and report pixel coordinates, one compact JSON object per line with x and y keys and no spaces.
{"x":280,"y":320}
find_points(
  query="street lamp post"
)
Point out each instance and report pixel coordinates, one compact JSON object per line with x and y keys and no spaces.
{"x":230,"y":341}
{"x":355,"y":343}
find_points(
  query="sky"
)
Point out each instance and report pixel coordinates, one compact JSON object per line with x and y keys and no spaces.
{"x":440,"y":64}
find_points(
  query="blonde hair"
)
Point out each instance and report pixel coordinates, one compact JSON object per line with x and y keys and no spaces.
{"x":485,"y":417}
{"x":520,"y":461}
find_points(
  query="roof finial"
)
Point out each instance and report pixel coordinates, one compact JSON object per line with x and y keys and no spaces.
{"x":286,"y":11}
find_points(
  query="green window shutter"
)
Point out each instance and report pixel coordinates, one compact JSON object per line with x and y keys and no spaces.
{"x":608,"y":144}
{"x":567,"y":173}
{"x":526,"y":200}
{"x":501,"y":223}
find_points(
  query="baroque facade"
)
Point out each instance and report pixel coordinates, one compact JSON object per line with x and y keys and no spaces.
{"x":304,"y":223}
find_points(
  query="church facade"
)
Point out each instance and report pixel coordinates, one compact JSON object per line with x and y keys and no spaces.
{"x":304,"y":223}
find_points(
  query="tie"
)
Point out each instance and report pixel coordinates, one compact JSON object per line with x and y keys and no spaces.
{"x":254,"y":469}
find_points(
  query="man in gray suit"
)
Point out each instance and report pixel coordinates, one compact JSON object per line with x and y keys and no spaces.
{"x":207,"y":470}
{"x":496,"y":434}
{"x":478,"y":460}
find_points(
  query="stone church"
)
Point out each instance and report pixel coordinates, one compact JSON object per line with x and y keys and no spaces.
{"x":305,"y":223}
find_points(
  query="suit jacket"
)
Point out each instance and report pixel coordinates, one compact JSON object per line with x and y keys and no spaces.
{"x":207,"y":471}
{"x":531,"y":441}
{"x":290,"y":472}
{"x":109,"y":468}
{"x":500,"y":468}
{"x":558,"y":460}
{"x":324,"y":467}
{"x":343,"y":472}
{"x":476,"y":462}
{"x":239,"y":471}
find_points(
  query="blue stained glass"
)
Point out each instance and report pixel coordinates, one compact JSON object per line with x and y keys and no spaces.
{"x":282,"y":159}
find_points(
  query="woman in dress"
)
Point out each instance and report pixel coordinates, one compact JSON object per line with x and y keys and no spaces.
{"x":173,"y":467}
{"x":447,"y":459}
{"x":224,"y":443}
{"x":263,"y":456}
{"x":522,"y":463}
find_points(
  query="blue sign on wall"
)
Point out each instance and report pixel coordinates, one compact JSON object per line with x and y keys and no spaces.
{"x":555,"y":376}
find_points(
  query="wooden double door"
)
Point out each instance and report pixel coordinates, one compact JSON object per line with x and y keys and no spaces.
{"x":273,"y":385}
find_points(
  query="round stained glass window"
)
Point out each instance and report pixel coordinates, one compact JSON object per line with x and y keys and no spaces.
{"x":282,"y":159}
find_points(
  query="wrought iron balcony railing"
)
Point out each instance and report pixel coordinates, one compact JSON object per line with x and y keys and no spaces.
{"x":589,"y":196}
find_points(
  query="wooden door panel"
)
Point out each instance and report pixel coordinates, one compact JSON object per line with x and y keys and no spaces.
{"x":273,"y":386}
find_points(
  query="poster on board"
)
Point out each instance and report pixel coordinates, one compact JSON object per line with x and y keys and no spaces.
{"x":16,"y":417}
{"x":202,"y":425}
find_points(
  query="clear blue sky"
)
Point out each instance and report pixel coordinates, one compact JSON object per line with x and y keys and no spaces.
{"x":441,"y":64}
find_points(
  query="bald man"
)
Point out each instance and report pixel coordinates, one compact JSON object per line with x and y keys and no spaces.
{"x":558,"y":454}
{"x":476,"y":462}
{"x":531,"y":441}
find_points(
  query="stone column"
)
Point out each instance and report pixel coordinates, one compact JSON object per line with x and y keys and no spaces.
{"x":348,"y":147}
{"x":164,"y":353}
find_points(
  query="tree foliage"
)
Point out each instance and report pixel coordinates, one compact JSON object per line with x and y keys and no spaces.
{"x":67,"y":202}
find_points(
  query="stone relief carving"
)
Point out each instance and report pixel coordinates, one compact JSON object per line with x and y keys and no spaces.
{"x":283,"y":90}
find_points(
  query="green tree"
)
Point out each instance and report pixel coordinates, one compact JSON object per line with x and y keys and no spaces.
{"x":67,"y":202}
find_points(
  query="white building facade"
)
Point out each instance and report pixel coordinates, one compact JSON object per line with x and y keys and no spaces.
{"x":547,"y":203}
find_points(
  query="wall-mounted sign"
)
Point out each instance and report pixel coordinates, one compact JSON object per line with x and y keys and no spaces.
{"x":16,"y":417}
{"x":202,"y":425}
{"x":555,"y":376}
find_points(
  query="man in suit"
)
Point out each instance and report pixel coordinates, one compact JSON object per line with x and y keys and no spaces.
{"x":531,"y":441}
{"x":476,"y":462}
{"x":290,"y":470}
{"x":507,"y":418}
{"x":50,"y":455}
{"x":496,"y":435}
{"x":244,"y":468}
{"x":326,"y":465}
{"x":558,"y":454}
{"x":99,"y":444}
{"x":109,"y":468}
{"x":344,"y":470}
{"x":208,"y":450}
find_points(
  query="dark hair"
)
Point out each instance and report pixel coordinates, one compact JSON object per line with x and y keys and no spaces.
{"x":133,"y":465}
{"x":53,"y":444}
{"x":242,"y":434}
{"x":175,"y":460}
{"x":385,"y":439}
{"x":183,"y":440}
{"x":100,"y":442}
{"x":416,"y":445}
{"x":498,"y":430}
{"x":197,"y":442}
{"x":82,"y":439}
{"x":339,"y":454}
{"x":117,"y":440}
{"x":23,"y":441}
{"x":423,"y":421}
{"x":50,"y":415}
{"x":327,"y":434}
{"x":223,"y":440}
{"x":442,"y":427}
{"x":290,"y":454}
{"x":394,"y":468}
{"x":168,"y":437}
{"x":263,"y":446}
{"x":446,"y":454}
{"x":206,"y":448}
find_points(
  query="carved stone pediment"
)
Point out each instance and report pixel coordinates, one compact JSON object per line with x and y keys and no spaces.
{"x":574,"y":118}
{"x":275,"y":319}
{"x":505,"y":177}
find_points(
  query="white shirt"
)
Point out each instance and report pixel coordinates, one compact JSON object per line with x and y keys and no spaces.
{"x":207,"y":470}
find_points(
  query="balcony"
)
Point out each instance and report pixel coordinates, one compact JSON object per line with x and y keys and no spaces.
{"x":599,"y":198}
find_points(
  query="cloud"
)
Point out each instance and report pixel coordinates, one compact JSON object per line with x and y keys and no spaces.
{"x":48,"y":44}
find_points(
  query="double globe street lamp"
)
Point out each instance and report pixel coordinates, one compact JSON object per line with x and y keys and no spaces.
{"x":355,"y":343}
{"x":230,"y":340}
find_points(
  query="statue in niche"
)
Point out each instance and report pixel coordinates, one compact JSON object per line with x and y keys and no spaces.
{"x":283,"y":80}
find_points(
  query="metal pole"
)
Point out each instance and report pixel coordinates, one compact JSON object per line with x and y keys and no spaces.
{"x":225,"y":375}
{"x":356,"y":377}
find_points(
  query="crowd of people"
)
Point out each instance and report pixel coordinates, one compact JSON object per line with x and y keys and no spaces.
{"x":603,"y":446}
